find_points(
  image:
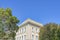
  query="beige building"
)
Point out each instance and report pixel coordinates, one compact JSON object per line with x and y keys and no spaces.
{"x":29,"y":30}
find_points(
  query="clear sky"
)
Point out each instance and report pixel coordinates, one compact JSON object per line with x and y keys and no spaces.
{"x":42,"y":11}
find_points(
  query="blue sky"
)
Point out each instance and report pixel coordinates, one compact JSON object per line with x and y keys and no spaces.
{"x":42,"y":11}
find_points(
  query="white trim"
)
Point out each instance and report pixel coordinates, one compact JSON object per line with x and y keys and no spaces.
{"x":31,"y":21}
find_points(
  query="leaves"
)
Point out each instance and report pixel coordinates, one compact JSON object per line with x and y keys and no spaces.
{"x":8,"y":23}
{"x":50,"y":31}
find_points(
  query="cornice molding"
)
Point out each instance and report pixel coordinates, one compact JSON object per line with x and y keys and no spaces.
{"x":30,"y":21}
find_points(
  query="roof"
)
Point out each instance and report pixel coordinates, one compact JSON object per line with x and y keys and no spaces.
{"x":31,"y":21}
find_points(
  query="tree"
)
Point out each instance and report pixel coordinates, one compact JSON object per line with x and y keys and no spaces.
{"x":58,"y":32}
{"x":8,"y":24}
{"x":49,"y":32}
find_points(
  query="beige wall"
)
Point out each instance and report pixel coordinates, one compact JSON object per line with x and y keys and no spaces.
{"x":28,"y":32}
{"x":33,"y":32}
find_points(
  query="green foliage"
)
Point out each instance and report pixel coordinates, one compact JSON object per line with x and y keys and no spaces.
{"x":8,"y":24}
{"x":50,"y":31}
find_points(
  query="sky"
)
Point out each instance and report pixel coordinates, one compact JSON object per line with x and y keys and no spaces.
{"x":42,"y":11}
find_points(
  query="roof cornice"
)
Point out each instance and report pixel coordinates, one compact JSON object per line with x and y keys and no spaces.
{"x":31,"y":21}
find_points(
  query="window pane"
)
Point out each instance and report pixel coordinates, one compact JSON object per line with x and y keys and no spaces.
{"x":32,"y":37}
{"x":24,"y":29}
{"x":24,"y":37}
{"x":32,"y":29}
{"x":36,"y":37}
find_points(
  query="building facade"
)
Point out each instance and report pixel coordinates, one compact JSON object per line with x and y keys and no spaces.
{"x":29,"y":30}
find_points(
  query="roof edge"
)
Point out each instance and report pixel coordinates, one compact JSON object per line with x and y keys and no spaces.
{"x":32,"y":21}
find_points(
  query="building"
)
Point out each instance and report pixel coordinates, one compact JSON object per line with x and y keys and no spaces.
{"x":29,"y":30}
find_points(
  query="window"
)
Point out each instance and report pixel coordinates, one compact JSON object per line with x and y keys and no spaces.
{"x":20,"y":30}
{"x":36,"y":29}
{"x":32,"y":29}
{"x":24,"y":29}
{"x":32,"y":37}
{"x":24,"y":37}
{"x":36,"y":37}
{"x":20,"y":38}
